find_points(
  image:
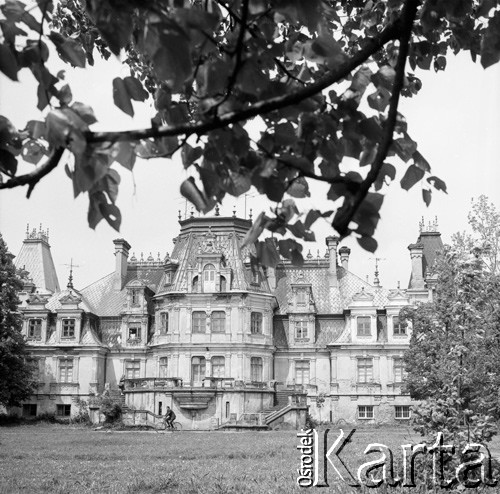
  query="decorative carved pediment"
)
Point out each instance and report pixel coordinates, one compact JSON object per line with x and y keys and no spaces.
{"x":363,"y":296}
{"x":70,"y":298}
{"x":38,"y":299}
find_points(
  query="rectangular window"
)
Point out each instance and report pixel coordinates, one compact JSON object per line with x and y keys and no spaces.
{"x":365,"y":412}
{"x":134,"y":333}
{"x":402,"y":412}
{"x":63,"y":410}
{"x":66,"y":370}
{"x":164,"y":322}
{"x":256,"y":369}
{"x":399,"y":370}
{"x":228,"y":409}
{"x":399,"y":327}
{"x":163,"y":367}
{"x":135,"y":297}
{"x":199,"y":322}
{"x":132,"y":369}
{"x":29,"y":410}
{"x":256,"y":323}
{"x":218,"y":366}
{"x":68,"y":328}
{"x":198,"y":369}
{"x":302,"y":372}
{"x":301,"y":332}
{"x":301,"y":298}
{"x":35,"y":329}
{"x":365,"y":370}
{"x":218,"y":321}
{"x":364,"y":326}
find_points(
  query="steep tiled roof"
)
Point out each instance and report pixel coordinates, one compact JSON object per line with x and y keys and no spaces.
{"x":35,"y":257}
{"x":104,"y":298}
{"x":328,"y":301}
{"x":54,"y":302}
{"x":217,"y":235}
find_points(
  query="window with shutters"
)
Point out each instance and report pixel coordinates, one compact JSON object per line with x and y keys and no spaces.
{"x":302,"y":372}
{"x":256,"y":323}
{"x":163,"y":367}
{"x":198,"y":368}
{"x":256,"y":369}
{"x":132,"y":369}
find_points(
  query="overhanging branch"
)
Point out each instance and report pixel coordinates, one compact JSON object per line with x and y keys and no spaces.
{"x":32,"y":178}
{"x":373,"y":45}
{"x":348,"y":210}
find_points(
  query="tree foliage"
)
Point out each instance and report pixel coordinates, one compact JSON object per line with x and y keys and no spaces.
{"x":453,"y":360}
{"x":319,"y":80}
{"x":16,"y":368}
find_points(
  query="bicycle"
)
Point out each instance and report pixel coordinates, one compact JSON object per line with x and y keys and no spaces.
{"x":176,"y":426}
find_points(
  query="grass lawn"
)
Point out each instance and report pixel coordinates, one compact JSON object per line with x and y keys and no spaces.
{"x":55,"y":458}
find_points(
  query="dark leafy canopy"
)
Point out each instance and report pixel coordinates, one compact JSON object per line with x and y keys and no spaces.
{"x":16,"y":369}
{"x":453,"y":362}
{"x":320,"y":79}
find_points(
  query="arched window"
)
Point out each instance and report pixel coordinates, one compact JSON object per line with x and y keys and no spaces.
{"x":198,"y":366}
{"x":196,"y":288}
{"x":223,"y":284}
{"x":209,"y":278}
{"x":218,"y":366}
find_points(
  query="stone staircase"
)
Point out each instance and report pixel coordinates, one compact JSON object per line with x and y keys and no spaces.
{"x":281,"y":401}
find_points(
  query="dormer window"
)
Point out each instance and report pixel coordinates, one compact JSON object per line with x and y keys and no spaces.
{"x":68,"y":328}
{"x":134,"y":333}
{"x":168,"y":278}
{"x":301,"y":332}
{"x":364,"y":325}
{"x":255,"y":277}
{"x":209,"y":278}
{"x":35,"y":329}
{"x":135,"y":298}
{"x":399,"y":329}
{"x":301,"y":298}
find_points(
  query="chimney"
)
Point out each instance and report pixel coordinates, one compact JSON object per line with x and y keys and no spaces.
{"x":332,"y":243}
{"x":344,"y":257}
{"x":122,"y":248}
{"x":416,"y":255}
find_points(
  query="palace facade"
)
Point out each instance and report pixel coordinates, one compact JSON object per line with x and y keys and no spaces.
{"x":218,"y":342}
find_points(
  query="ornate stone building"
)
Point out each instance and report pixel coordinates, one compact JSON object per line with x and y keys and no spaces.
{"x":221,"y":343}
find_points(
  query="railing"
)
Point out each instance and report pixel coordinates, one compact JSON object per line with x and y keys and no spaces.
{"x":206,"y":382}
{"x":251,"y":419}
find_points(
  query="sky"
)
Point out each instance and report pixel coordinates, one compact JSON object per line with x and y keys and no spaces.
{"x":455,"y":119}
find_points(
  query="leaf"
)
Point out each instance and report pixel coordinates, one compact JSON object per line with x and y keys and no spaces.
{"x":121,"y":97}
{"x":85,"y":112}
{"x":421,"y":162}
{"x":437,"y":183}
{"x":33,"y":152}
{"x":379,"y":99}
{"x":386,"y":170}
{"x":126,"y":155}
{"x":290,"y":249}
{"x":190,"y":154}
{"x":368,"y":243}
{"x":255,"y":230}
{"x":69,"y":50}
{"x":190,"y":191}
{"x":427,"y":196}
{"x":405,"y":147}
{"x":111,"y":214}
{"x":36,"y":129}
{"x":266,"y":253}
{"x":8,"y":163}
{"x":413,"y":175}
{"x":65,"y":96}
{"x":135,"y":89}
{"x":490,"y":44}
{"x":8,"y":62}
{"x":299,"y":188}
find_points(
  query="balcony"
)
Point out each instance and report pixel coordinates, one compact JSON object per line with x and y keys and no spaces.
{"x":156,"y":383}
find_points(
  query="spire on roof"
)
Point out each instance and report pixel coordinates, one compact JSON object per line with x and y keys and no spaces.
{"x":217,"y":211}
{"x":376,"y":280}
{"x":70,"y":277}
